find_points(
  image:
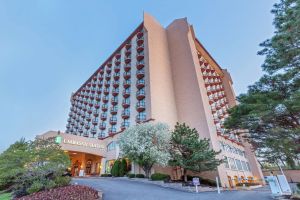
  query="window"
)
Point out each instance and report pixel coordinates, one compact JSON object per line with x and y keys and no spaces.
{"x":111,"y":146}
{"x":244,"y":165}
{"x":232,"y":164}
{"x":226,"y":162}
{"x":248,"y":166}
{"x":238,"y":164}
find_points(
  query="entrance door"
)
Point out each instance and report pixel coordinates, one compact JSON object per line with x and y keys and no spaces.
{"x":88,"y":167}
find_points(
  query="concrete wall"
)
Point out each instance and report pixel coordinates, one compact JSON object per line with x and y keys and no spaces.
{"x":163,"y":107}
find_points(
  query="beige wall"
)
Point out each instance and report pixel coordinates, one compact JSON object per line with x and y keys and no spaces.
{"x":163,"y":107}
{"x":293,"y":176}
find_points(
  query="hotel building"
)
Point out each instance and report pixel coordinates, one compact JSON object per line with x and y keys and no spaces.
{"x":157,"y":74}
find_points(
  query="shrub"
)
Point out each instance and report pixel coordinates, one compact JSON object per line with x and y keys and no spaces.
{"x":63,"y":193}
{"x":131,"y":175}
{"x":106,"y":175}
{"x":298,"y":185}
{"x":115,"y":171}
{"x":62,"y":180}
{"x":203,"y":181}
{"x":160,"y":177}
{"x":246,"y":184}
{"x":35,"y":187}
{"x":140,"y":176}
{"x":123,"y":167}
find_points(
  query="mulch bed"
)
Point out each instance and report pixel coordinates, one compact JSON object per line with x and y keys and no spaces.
{"x":71,"y":192}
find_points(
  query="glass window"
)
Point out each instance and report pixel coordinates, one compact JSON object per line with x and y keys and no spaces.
{"x":111,"y":146}
{"x":238,"y":164}
{"x":244,"y":165}
{"x":232,"y":164}
{"x":248,"y":166}
{"x":226,"y":162}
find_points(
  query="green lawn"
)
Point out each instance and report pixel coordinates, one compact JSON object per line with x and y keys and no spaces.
{"x":5,"y":196}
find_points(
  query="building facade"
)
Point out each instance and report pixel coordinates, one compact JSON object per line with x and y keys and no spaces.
{"x":166,"y":75}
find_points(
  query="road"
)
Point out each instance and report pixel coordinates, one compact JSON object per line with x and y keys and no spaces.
{"x":116,"y":189}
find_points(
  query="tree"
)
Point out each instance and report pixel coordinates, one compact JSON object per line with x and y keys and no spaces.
{"x":270,"y":110}
{"x":32,"y":166}
{"x":146,"y":144}
{"x":115,"y":171}
{"x":190,"y":152}
{"x":123,"y":167}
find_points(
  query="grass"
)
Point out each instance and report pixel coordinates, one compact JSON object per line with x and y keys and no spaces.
{"x":5,"y":196}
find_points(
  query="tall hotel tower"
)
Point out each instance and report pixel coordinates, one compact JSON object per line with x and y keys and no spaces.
{"x":165,"y":75}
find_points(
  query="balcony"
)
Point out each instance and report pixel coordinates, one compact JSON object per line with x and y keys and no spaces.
{"x":127,"y":59}
{"x":95,"y":122}
{"x":126,"y":93}
{"x":124,"y":125}
{"x":112,"y":131}
{"x":140,"y":41}
{"x":140,"y":64}
{"x":140,"y":106}
{"x":126,"y":75}
{"x":103,"y":116}
{"x":107,"y":83}
{"x":128,"y":52}
{"x":105,"y":99}
{"x":114,"y":110}
{"x":140,"y":48}
{"x":100,"y":77}
{"x":126,"y":83}
{"x":81,"y":123}
{"x":101,"y":136}
{"x":89,"y":111}
{"x":117,"y":68}
{"x":104,"y":107}
{"x":101,"y":71}
{"x":126,"y":103}
{"x":118,"y":61}
{"x":88,"y":118}
{"x":107,"y":77}
{"x":114,"y":101}
{"x":102,"y":125}
{"x":125,"y":114}
{"x":140,"y":73}
{"x":93,"y":90}
{"x":140,"y":94}
{"x":68,"y":126}
{"x":80,"y":130}
{"x":115,"y":92}
{"x":116,"y":84}
{"x":84,"y":108}
{"x":106,"y":91}
{"x":109,"y":63}
{"x":140,"y":56}
{"x":140,"y":118}
{"x":116,"y":76}
{"x":118,"y":55}
{"x":113,"y":120}
{"x":96,"y":113}
{"x":89,"y":84}
{"x":94,"y":131}
{"x":128,"y":46}
{"x":127,"y":67}
{"x":98,"y":98}
{"x":87,"y":126}
{"x":100,"y":84}
{"x":140,"y":34}
{"x":86,"y":134}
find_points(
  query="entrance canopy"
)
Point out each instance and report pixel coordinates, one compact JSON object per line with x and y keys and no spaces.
{"x":69,"y":142}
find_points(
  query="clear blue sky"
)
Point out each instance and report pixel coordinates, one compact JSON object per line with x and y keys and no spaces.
{"x":49,"y":48}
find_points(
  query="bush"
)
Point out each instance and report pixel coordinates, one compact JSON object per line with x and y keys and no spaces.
{"x":246,"y":184}
{"x":131,"y":175}
{"x":123,"y":167}
{"x":140,"y":176}
{"x":115,"y":171}
{"x":298,"y":185}
{"x":203,"y":181}
{"x":35,"y":187}
{"x":62,"y":180}
{"x":106,"y":175}
{"x":160,"y":177}
{"x":63,"y":193}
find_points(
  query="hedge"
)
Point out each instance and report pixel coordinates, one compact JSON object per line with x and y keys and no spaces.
{"x":160,"y":177}
{"x":246,"y":184}
{"x":140,"y":176}
{"x":131,"y":175}
{"x":106,"y":175}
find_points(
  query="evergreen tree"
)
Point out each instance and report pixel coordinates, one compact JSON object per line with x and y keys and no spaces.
{"x":270,"y":110}
{"x":190,"y":152}
{"x":123,"y":167}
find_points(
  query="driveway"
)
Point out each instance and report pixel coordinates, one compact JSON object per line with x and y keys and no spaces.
{"x":116,"y":189}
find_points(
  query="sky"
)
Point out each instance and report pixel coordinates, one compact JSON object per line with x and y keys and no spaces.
{"x":49,"y":48}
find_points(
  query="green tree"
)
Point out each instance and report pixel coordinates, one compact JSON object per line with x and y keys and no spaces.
{"x":33,"y":165}
{"x":123,"y":167}
{"x":190,"y":152}
{"x":270,"y":110}
{"x":116,"y":168}
{"x":146,"y":144}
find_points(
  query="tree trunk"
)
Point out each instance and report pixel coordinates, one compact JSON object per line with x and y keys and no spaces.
{"x":147,"y":171}
{"x":185,"y":175}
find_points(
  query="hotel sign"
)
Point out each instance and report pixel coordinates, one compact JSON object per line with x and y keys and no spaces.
{"x":81,"y":143}
{"x":60,"y":140}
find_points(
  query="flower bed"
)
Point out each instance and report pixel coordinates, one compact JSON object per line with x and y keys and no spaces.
{"x":64,"y":193}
